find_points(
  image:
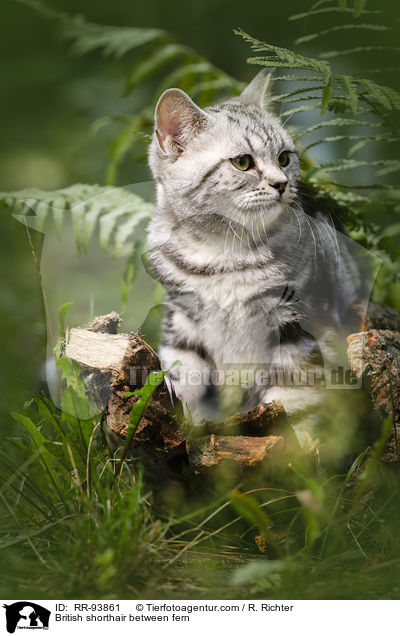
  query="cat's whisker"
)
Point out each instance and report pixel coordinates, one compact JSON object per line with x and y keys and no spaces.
{"x":260,"y":241}
{"x":312,"y":234}
{"x":293,"y":209}
{"x":318,"y":226}
{"x":334,"y":232}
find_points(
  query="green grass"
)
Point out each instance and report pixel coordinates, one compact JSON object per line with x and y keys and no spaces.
{"x":70,"y":529}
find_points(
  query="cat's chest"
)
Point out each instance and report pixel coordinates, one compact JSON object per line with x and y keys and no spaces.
{"x":235,"y":335}
{"x":233,"y":321}
{"x":231,"y":292}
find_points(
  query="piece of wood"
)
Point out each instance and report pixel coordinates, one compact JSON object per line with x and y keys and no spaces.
{"x":375,"y":355}
{"x":102,"y":351}
{"x":377,"y":317}
{"x":209,"y":451}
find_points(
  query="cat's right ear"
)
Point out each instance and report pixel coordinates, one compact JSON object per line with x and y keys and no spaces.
{"x":177,"y":120}
{"x":258,"y":92}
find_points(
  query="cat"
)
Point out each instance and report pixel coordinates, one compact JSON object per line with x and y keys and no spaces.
{"x":256,"y":278}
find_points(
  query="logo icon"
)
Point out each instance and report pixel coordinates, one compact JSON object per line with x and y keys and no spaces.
{"x":26,"y":615}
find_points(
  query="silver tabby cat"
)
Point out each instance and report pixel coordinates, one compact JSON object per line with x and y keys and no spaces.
{"x":257,"y":281}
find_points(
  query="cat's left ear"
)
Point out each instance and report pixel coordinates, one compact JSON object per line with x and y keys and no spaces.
{"x":258,"y":92}
{"x":177,"y":120}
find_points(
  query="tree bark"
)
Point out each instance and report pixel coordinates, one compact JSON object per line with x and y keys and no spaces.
{"x":375,"y":355}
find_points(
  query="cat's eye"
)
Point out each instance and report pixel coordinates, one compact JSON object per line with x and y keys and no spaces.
{"x":284,"y":158}
{"x":243,"y":162}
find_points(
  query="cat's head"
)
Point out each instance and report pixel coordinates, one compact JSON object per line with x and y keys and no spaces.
{"x":234,"y":159}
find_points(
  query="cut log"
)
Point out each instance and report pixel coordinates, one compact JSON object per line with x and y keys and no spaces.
{"x":377,"y":317}
{"x":209,"y":451}
{"x":119,"y":363}
{"x":375,"y":355}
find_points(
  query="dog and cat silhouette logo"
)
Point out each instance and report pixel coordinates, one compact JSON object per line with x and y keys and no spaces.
{"x":26,"y":615}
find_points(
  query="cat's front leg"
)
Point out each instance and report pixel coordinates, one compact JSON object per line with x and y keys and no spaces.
{"x":302,"y":404}
{"x":191,"y":381}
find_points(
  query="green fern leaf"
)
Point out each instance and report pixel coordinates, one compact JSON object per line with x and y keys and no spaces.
{"x":377,"y":92}
{"x":77,"y":212}
{"x":92,"y":212}
{"x":296,"y":78}
{"x":359,"y":6}
{"x":307,"y":14}
{"x":184,"y":72}
{"x":204,"y":91}
{"x":109,"y":223}
{"x":286,"y":57}
{"x":123,"y":236}
{"x":367,"y":140}
{"x":339,"y":122}
{"x":284,"y":97}
{"x":393,"y":96}
{"x":319,"y":3}
{"x":351,"y":164}
{"x":125,"y":141}
{"x":326,"y":140}
{"x":341,"y":27}
{"x":371,"y":186}
{"x":351,"y":91}
{"x":327,"y":94}
{"x":361,"y":141}
{"x":300,"y":109}
{"x":158,"y":59}
{"x":87,"y":205}
{"x":358,"y":49}
{"x":115,"y":41}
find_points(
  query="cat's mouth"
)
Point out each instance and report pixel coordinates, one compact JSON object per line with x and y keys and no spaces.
{"x":262,"y":199}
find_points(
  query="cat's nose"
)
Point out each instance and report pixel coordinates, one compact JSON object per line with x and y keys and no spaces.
{"x":279,"y":185}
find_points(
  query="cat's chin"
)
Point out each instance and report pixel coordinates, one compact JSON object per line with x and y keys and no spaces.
{"x":264,"y":213}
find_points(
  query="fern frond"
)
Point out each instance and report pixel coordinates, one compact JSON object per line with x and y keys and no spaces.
{"x":327,"y":95}
{"x":127,"y":138}
{"x":204,"y":91}
{"x":296,"y":111}
{"x":298,"y":91}
{"x":88,"y":206}
{"x":358,"y":49}
{"x":378,"y":93}
{"x":359,"y":7}
{"x":87,"y":36}
{"x":339,"y":122}
{"x":307,"y":14}
{"x":350,"y":164}
{"x":362,"y":141}
{"x":351,"y":90}
{"x":192,"y":71}
{"x":154,"y":62}
{"x":370,"y":186}
{"x":285,"y":57}
{"x":115,"y":41}
{"x":296,"y":78}
{"x":341,"y":27}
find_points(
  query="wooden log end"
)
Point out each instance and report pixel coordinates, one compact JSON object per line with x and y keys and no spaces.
{"x":211,"y":450}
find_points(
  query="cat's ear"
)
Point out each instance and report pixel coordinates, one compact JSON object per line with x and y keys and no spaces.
{"x":177,"y":120}
{"x":258,"y":92}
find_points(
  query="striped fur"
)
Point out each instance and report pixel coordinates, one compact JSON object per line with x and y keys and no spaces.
{"x":253,"y":278}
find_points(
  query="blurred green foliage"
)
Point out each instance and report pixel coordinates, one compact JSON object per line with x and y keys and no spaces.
{"x":78,"y":100}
